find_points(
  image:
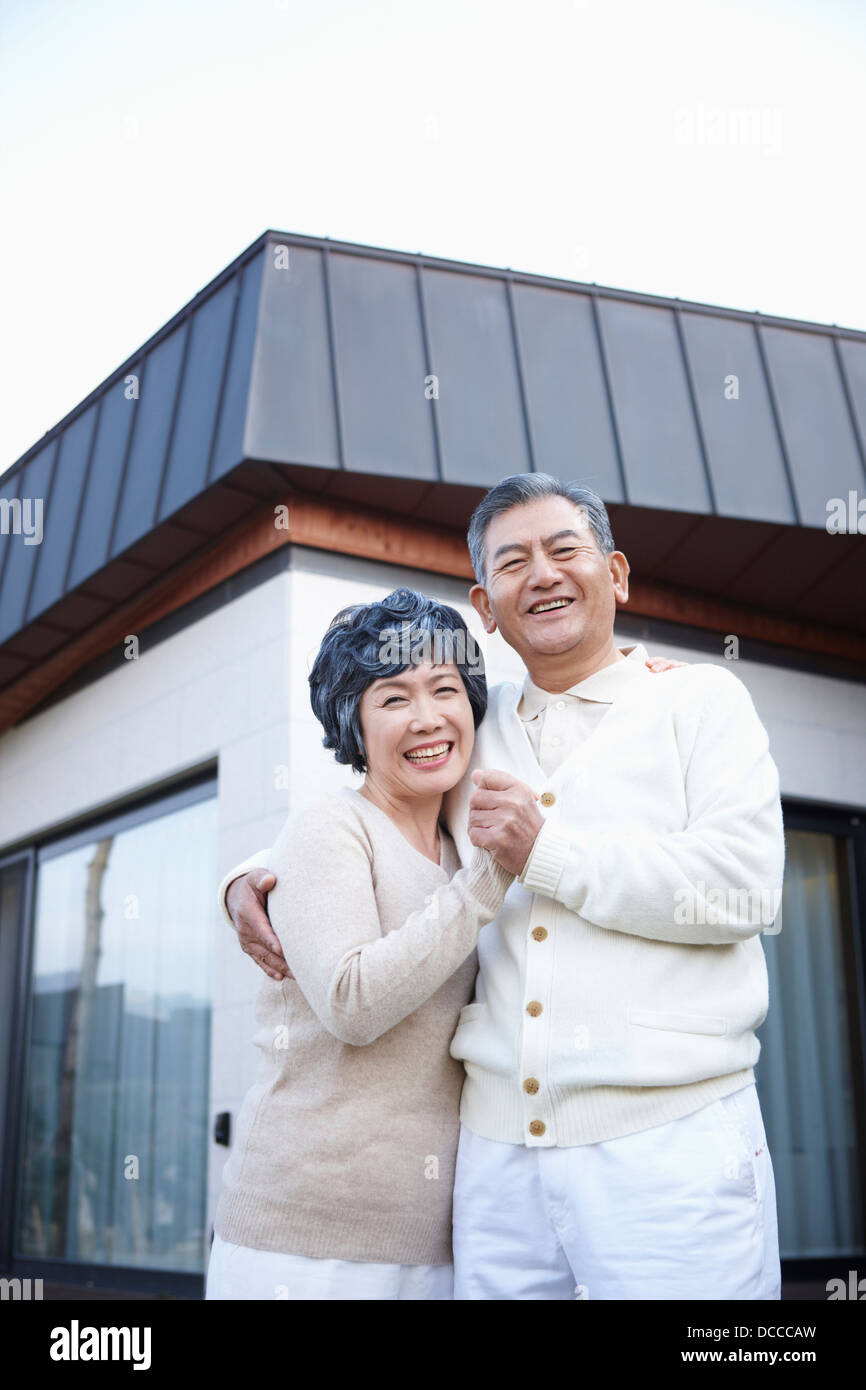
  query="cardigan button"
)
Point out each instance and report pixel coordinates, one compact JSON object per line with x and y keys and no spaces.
{"x":530,"y":1085}
{"x":537,"y":1128}
{"x":539,"y":933}
{"x":547,"y":798}
{"x":534,"y":1008}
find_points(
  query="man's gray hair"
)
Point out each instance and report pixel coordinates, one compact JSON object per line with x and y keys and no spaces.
{"x":529,"y":487}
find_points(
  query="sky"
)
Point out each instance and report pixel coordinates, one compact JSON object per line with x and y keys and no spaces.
{"x":692,"y":148}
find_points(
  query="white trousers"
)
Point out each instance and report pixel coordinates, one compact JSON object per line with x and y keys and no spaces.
{"x":686,"y":1210}
{"x":239,"y":1272}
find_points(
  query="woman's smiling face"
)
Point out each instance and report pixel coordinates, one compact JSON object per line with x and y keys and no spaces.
{"x":418,"y":730}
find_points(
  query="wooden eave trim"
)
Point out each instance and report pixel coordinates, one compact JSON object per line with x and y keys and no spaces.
{"x":350,"y":530}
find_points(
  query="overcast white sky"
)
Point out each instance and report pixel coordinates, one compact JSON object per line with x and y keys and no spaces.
{"x":681,"y":147}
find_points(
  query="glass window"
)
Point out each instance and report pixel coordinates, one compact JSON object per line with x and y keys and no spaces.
{"x":809,"y":1055}
{"x":114,"y":1158}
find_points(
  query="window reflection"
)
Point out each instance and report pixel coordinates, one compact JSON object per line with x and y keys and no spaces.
{"x":115,"y":1149}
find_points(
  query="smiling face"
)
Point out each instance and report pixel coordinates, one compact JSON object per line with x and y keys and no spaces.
{"x":418,"y":731}
{"x":549,"y":589}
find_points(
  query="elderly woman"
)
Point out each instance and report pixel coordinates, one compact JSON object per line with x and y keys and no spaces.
{"x":340,"y":1180}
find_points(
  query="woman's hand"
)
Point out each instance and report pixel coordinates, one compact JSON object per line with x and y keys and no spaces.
{"x":657,"y":664}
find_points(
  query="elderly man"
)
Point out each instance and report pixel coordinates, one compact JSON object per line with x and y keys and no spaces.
{"x":611,"y":1142}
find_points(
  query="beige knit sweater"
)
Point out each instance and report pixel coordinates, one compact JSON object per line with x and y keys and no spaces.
{"x":345,"y":1145}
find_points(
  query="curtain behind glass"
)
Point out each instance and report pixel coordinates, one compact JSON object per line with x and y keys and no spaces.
{"x":804,"y":1071}
{"x":115,"y":1149}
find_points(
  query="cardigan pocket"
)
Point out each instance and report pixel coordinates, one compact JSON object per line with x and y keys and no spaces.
{"x":469,"y":1014}
{"x":678,"y":1023}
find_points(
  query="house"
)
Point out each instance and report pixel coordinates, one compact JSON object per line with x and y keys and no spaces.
{"x":314,"y":428}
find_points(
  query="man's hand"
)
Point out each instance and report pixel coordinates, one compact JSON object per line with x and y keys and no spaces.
{"x":245,"y":901}
{"x":504,"y":818}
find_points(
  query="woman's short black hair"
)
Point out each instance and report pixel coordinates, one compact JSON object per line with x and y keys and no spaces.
{"x":367,"y":642}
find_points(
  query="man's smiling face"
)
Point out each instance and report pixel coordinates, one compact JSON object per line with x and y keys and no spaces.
{"x":549,"y":589}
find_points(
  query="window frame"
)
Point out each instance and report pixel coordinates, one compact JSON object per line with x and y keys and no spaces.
{"x":16,"y":1062}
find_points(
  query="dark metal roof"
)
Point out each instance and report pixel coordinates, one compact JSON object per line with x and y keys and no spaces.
{"x":314,"y":373}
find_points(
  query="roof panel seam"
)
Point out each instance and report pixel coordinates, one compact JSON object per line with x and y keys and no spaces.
{"x":433,"y":400}
{"x":777,"y":419}
{"x":79,"y":511}
{"x":36,"y":559}
{"x":849,"y":401}
{"x":224,"y":376}
{"x":127,"y":455}
{"x":4,"y":557}
{"x":608,"y":391}
{"x":699,"y":428}
{"x":332,"y":350}
{"x":255,"y":354}
{"x":521,"y":382}
{"x":169,"y":443}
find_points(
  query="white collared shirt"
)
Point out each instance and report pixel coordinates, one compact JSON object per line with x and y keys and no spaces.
{"x":556,"y":723}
